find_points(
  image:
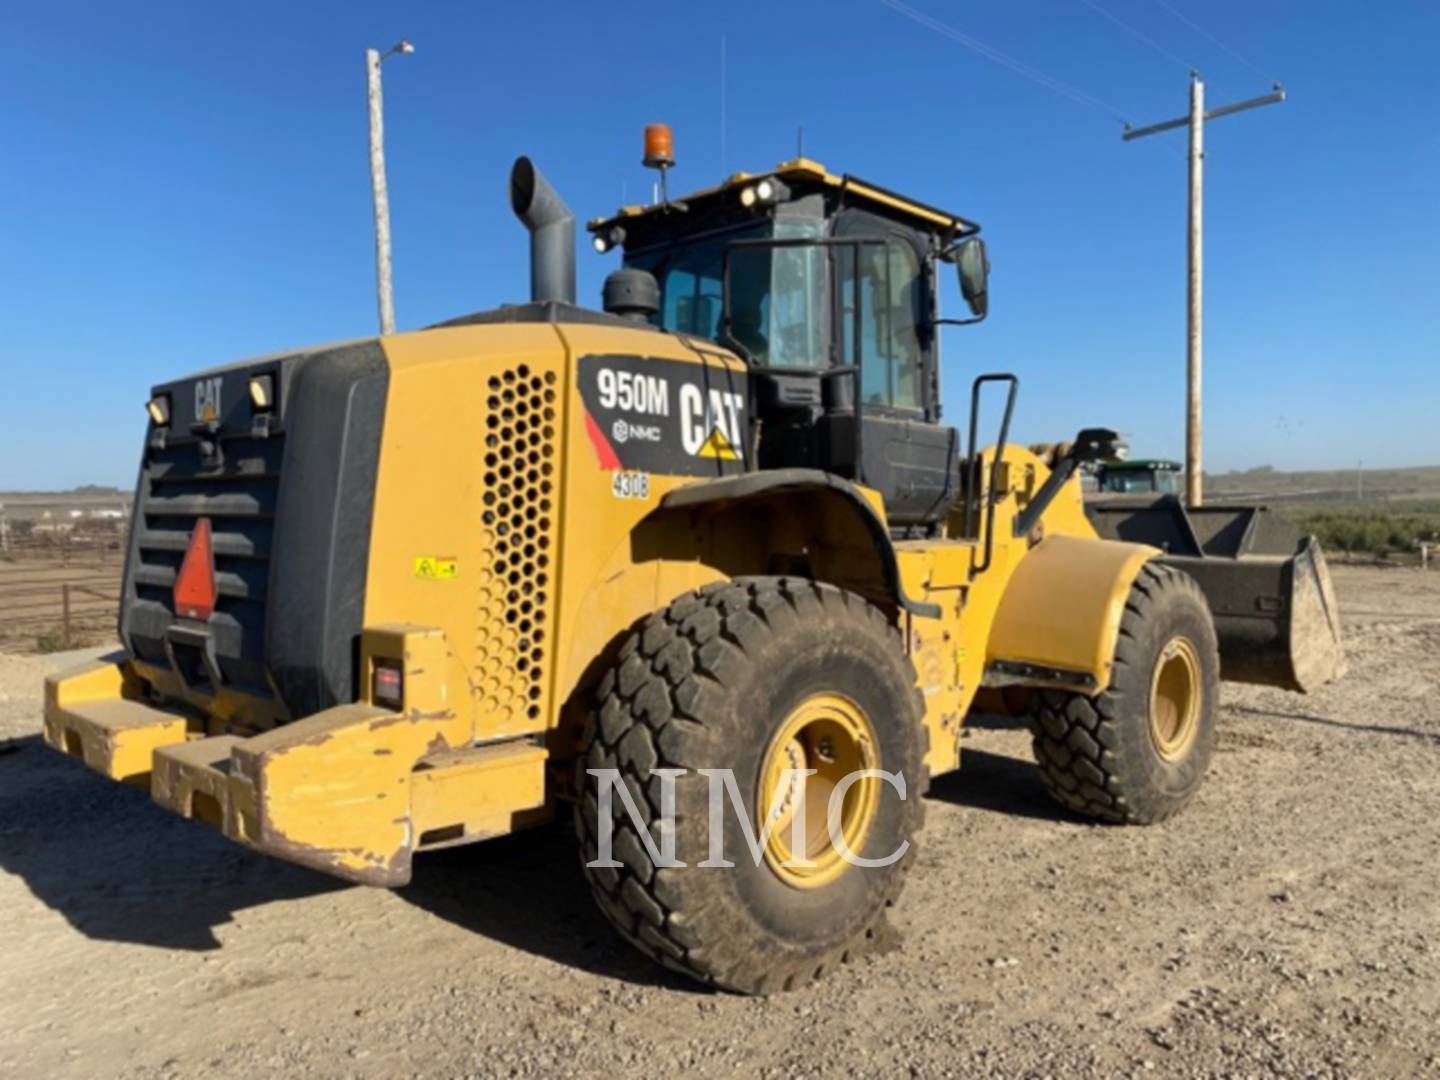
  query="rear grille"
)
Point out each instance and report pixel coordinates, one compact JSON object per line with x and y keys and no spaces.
{"x":176,"y":489}
{"x":517,"y":581}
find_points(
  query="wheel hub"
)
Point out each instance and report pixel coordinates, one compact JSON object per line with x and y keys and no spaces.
{"x":1175,"y":699}
{"x":831,"y":735}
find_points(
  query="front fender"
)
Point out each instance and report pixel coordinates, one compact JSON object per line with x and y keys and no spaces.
{"x":1059,"y":616}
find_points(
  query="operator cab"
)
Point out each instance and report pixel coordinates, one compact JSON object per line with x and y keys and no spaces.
{"x":826,"y":285}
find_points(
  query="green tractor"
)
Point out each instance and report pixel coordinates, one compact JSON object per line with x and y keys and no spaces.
{"x":1144,"y":476}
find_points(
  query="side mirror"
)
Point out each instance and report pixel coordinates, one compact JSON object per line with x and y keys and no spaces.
{"x":974,"y":269}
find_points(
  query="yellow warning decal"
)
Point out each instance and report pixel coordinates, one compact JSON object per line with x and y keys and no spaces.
{"x":436,"y":568}
{"x":718,"y":446}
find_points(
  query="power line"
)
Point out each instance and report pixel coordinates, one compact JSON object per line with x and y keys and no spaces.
{"x":1137,"y":35}
{"x":1213,"y":39}
{"x":722,"y":105}
{"x":1064,"y":89}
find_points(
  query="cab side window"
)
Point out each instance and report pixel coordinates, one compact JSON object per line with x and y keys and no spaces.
{"x":890,"y":353}
{"x":691,"y":301}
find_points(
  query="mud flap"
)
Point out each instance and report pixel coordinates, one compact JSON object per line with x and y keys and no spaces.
{"x":1267,"y":584}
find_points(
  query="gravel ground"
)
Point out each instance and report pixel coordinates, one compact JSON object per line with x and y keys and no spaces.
{"x":1288,"y":923}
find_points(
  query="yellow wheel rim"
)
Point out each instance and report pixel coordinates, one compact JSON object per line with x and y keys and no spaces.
{"x":830,"y":734}
{"x":1175,"y":699}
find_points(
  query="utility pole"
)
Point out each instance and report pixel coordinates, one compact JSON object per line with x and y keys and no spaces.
{"x":384,"y":297}
{"x":1195,"y":300}
{"x":1194,"y":322}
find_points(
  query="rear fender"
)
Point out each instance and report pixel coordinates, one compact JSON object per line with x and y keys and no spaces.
{"x":838,"y":528}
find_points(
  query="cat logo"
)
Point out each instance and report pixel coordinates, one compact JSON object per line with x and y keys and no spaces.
{"x":207,"y":400}
{"x":718,"y":446}
{"x":710,"y":425}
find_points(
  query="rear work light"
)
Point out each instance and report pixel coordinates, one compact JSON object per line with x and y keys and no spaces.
{"x":388,"y":685}
{"x":262,"y":393}
{"x":159,"y":409}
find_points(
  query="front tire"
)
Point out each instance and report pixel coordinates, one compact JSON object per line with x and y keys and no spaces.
{"x":756,"y":675}
{"x":1137,"y":753}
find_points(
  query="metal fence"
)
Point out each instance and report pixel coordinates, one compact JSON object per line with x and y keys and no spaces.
{"x":60,"y":589}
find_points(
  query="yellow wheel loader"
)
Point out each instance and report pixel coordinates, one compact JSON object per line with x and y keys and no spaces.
{"x":704,"y":570}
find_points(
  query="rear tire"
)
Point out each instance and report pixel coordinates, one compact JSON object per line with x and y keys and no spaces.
{"x":738,"y":676}
{"x":1137,"y":753}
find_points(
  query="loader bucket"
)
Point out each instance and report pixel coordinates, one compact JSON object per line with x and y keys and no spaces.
{"x":1267,"y":585}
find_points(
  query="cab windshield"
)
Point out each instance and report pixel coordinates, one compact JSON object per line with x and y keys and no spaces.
{"x":777,"y":295}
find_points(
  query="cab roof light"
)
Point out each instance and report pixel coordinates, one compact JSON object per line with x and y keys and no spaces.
{"x":609,"y":238}
{"x":772,"y":190}
{"x":159,"y":409}
{"x":766,"y":192}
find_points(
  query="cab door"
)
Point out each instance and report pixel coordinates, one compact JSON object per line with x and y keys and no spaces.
{"x":898,"y":446}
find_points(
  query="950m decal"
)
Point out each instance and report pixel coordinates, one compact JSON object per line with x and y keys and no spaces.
{"x":646,"y":415}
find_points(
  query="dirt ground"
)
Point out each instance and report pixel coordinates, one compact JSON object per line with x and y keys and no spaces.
{"x":1287,"y":924}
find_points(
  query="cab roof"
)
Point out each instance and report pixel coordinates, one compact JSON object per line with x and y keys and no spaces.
{"x":1144,"y":465}
{"x":806,"y":173}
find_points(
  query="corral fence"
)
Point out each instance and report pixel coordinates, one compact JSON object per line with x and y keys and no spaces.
{"x":60,"y":588}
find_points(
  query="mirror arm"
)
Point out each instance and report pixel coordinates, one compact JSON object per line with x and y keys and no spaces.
{"x":947,"y":253}
{"x":959,"y":322}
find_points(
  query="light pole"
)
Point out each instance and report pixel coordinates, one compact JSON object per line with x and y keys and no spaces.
{"x":384,"y":298}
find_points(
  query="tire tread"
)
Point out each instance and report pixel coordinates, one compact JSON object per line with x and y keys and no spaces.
{"x":1074,"y":735}
{"x":650,"y":713}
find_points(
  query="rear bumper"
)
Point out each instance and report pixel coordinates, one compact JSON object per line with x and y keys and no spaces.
{"x":353,"y":791}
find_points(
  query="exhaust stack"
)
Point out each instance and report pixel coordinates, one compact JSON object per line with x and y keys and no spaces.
{"x":552,"y":233}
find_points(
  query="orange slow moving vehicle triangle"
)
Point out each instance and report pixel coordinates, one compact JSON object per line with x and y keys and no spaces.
{"x":195,"y":584}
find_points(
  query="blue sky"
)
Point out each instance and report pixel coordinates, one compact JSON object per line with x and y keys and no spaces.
{"x":187,"y":184}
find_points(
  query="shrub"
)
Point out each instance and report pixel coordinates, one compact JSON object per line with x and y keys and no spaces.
{"x":52,"y":640}
{"x":1370,"y":530}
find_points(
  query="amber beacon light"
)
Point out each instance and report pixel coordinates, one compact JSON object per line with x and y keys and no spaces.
{"x":659,"y":146}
